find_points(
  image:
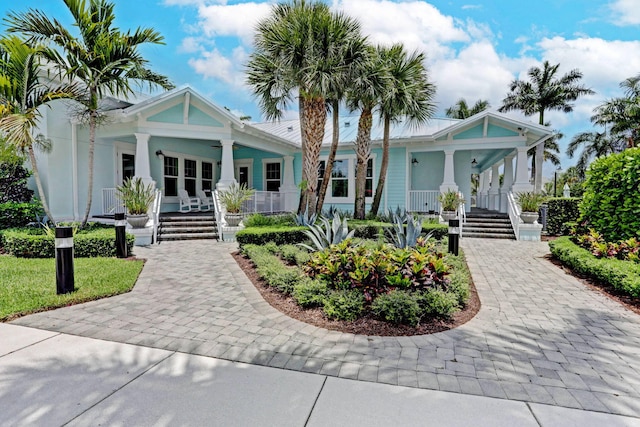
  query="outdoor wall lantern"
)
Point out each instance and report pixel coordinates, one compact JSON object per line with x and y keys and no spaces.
{"x":64,"y":260}
{"x":414,"y":161}
{"x":159,"y":153}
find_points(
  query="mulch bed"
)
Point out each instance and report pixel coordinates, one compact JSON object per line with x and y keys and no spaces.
{"x":367,"y":325}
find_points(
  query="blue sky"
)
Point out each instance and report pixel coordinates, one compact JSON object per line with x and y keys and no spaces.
{"x":474,"y":48}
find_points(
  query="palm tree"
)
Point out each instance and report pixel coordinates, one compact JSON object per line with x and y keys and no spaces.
{"x":21,"y":99}
{"x":366,"y":92}
{"x":104,"y":59}
{"x":294,"y":55}
{"x":409,"y":95}
{"x":594,"y":144}
{"x":544,"y":92}
{"x":461,"y":109}
{"x":352,"y":52}
{"x":622,"y":115}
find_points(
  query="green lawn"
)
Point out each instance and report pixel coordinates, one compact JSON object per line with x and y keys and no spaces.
{"x":28,"y":285}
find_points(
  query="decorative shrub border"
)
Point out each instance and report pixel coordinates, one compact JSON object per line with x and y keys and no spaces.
{"x":623,"y":276}
{"x":562,"y":213}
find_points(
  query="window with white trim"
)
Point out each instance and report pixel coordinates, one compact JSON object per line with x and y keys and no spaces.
{"x":207,"y":176}
{"x":342,"y":186}
{"x":272,"y":175}
{"x":190,"y":176}
{"x":170,"y":176}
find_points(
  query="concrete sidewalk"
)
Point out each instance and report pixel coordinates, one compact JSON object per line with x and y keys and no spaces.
{"x":49,"y":378}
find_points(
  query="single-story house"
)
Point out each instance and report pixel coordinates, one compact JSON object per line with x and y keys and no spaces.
{"x":180,"y":140}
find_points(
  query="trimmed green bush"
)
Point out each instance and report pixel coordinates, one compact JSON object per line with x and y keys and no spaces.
{"x":272,"y":270}
{"x":14,"y":214}
{"x":610,"y":204}
{"x":280,"y":235}
{"x":344,"y":305}
{"x":294,"y":254}
{"x":260,"y":220}
{"x":438,"y":231}
{"x":33,"y":243}
{"x":438,"y":303}
{"x":310,"y":293}
{"x":621,"y":275}
{"x":459,"y":277}
{"x":397,"y":307}
{"x":562,"y":213}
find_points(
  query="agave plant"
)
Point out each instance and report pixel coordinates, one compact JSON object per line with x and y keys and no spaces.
{"x":327,"y":234}
{"x":305,"y":219}
{"x":401,"y":236}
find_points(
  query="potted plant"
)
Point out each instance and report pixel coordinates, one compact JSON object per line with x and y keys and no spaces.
{"x":450,"y":201}
{"x":232,"y":199}
{"x":529,"y":202}
{"x":136,"y":197}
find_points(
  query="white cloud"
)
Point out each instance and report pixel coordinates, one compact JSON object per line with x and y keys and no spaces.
{"x":190,"y":45}
{"x":625,"y":12}
{"x":471,"y":6}
{"x":192,"y":2}
{"x":238,"y":20}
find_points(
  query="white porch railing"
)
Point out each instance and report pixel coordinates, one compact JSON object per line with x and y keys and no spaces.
{"x":155,"y":213}
{"x":217,"y":207}
{"x":111,"y":204}
{"x":514,"y":214}
{"x":264,"y":202}
{"x":423,"y":201}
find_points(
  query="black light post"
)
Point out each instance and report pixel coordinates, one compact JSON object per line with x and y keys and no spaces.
{"x":64,"y":260}
{"x":121,"y":240}
{"x":454,"y":236}
{"x":555,"y":182}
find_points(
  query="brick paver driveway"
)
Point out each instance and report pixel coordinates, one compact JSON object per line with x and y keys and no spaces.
{"x":540,"y":336}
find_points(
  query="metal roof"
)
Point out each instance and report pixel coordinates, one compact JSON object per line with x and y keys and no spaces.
{"x":290,"y":129}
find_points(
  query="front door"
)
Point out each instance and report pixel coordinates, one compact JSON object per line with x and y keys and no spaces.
{"x":243,"y":175}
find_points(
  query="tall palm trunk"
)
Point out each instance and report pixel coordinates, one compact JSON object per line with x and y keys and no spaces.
{"x":363,"y":150}
{"x":92,"y":139}
{"x":36,"y":176}
{"x":314,"y":118}
{"x":332,"y":156}
{"x":375,"y":206}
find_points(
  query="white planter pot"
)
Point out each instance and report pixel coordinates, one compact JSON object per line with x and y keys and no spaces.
{"x":233,"y":219}
{"x":529,"y":217}
{"x":138,"y":221}
{"x":447,"y":215}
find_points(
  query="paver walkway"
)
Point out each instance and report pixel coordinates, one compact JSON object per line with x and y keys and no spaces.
{"x":540,"y":336}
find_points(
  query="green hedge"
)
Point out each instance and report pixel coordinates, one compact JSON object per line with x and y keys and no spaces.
{"x":32,"y":243}
{"x":18,"y":214}
{"x":561,"y":212}
{"x":610,"y":204}
{"x":263,"y":235}
{"x":622,"y":275}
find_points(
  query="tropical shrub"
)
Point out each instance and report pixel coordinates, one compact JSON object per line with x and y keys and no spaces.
{"x":344,"y":305}
{"x":397,"y":307}
{"x":438,"y":303}
{"x":401,"y":235}
{"x":623,"y":276}
{"x":310,"y":293}
{"x":561,"y":214}
{"x":625,"y":250}
{"x":610,"y":204}
{"x":530,"y":201}
{"x":13,"y":183}
{"x":272,"y":270}
{"x":14,"y":215}
{"x":293,"y":254}
{"x":260,"y":220}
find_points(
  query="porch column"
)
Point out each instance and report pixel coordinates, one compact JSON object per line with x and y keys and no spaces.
{"x":539,"y":163}
{"x":522,"y":174}
{"x":507,"y":183}
{"x":449,"y":181}
{"x":480,"y":189}
{"x":288,"y":187}
{"x":226,"y":167}
{"x":486,"y":177}
{"x":494,"y":192}
{"x":143,"y":168}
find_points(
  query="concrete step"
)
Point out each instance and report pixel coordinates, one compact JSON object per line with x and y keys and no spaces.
{"x":488,"y":235}
{"x":501,"y":224}
{"x":185,"y":218}
{"x":187,"y":236}
{"x":487,"y":230}
{"x":178,"y":230}
{"x":202,"y":223}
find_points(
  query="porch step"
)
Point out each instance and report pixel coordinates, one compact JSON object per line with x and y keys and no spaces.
{"x":190,"y":226}
{"x":482,"y":223}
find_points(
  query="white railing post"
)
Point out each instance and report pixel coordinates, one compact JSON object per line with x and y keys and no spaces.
{"x":514,"y":214}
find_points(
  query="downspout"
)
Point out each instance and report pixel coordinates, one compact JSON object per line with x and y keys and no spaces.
{"x":74,"y":172}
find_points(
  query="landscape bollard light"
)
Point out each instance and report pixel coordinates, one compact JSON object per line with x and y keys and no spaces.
{"x":64,"y":260}
{"x":121,"y":239}
{"x":454,"y":236}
